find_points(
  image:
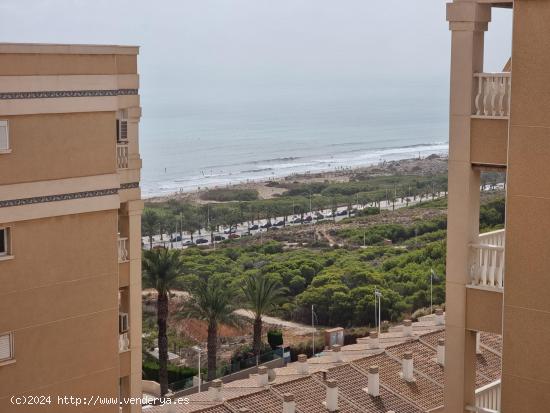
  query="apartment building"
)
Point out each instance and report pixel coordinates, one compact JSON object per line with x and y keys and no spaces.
{"x":70,"y":212}
{"x":499,"y":282}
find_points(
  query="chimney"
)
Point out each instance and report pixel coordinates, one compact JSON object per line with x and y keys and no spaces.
{"x":441,"y":351}
{"x":374,"y":381}
{"x":302,"y":367}
{"x":289,"y":406}
{"x":324,"y":373}
{"x":407,"y":364}
{"x":407,"y":328}
{"x":262,"y":378}
{"x":215,"y":391}
{"x":478,"y":342}
{"x":439,"y":317}
{"x":374,"y":341}
{"x":337,"y":354}
{"x":332,"y":396}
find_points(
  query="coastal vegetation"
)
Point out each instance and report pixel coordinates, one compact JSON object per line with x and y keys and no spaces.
{"x":333,"y":267}
{"x":235,"y":205}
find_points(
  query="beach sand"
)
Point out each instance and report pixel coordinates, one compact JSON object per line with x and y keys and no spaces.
{"x":431,"y":165}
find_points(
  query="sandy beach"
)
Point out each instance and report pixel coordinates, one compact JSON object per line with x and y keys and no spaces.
{"x":430,"y":165}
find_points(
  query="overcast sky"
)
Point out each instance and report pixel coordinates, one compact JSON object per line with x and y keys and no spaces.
{"x":206,"y":48}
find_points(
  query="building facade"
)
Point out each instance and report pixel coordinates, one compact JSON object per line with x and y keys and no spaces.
{"x":70,"y":226}
{"x":499,"y":282}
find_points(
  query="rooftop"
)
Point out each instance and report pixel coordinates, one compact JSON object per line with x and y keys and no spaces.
{"x":424,"y":393}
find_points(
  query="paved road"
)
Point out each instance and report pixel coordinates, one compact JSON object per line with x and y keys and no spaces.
{"x":242,"y":229}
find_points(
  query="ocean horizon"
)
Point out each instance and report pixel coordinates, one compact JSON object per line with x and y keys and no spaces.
{"x":214,"y":143}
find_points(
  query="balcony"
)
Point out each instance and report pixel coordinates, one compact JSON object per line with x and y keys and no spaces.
{"x":123,"y":342}
{"x":487,"y":260}
{"x":492,"y":100}
{"x":122,"y":155}
{"x":487,"y":398}
{"x":123,"y":255}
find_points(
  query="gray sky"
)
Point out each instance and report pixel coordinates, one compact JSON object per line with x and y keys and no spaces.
{"x":199,"y":49}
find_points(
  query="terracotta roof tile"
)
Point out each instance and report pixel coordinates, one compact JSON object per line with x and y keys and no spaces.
{"x":352,"y":384}
{"x":423,"y":392}
{"x":268,"y":401}
{"x":424,"y":359}
{"x":309,"y":395}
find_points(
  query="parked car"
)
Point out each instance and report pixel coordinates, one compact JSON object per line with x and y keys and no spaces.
{"x":176,"y":238}
{"x":309,"y":218}
{"x":319,"y":216}
{"x":230,"y":230}
{"x":218,"y":238}
{"x":267,"y":225}
{"x":297,"y":221}
{"x":188,"y":242}
{"x":342,"y":213}
{"x":253,"y":227}
{"x":234,"y":236}
{"x":279,"y":224}
{"x":201,"y":241}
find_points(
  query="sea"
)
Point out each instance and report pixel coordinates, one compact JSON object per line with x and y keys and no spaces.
{"x":190,"y":144}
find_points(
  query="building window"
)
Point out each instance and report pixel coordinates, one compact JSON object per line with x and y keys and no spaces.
{"x":6,"y":347}
{"x":122,"y":128}
{"x":4,"y":242}
{"x":4,"y":136}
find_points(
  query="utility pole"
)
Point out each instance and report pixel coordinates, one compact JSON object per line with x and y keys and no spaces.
{"x":313,"y":326}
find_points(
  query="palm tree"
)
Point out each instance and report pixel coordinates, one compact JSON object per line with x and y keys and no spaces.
{"x":213,"y":301}
{"x":149,"y":224}
{"x":162,"y":269}
{"x":262,"y":294}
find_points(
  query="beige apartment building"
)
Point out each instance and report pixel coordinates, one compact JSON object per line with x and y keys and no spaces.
{"x":70,"y":212}
{"x":499,"y":282}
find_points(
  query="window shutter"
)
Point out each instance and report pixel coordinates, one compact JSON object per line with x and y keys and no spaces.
{"x":4,"y":143}
{"x":124,"y":130}
{"x":5,"y":347}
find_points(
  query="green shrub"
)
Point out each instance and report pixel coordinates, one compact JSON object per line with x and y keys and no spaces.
{"x":275,"y":338}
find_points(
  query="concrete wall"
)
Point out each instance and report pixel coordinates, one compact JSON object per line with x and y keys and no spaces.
{"x":57,"y":146}
{"x":61,"y":303}
{"x":526,"y":328}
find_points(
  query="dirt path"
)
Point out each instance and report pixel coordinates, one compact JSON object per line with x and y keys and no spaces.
{"x":297,"y":329}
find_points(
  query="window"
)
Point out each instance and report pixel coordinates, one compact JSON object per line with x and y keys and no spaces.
{"x":6,"y":347}
{"x":4,"y":136}
{"x":4,"y":241}
{"x":122,"y":323}
{"x":122,"y":128}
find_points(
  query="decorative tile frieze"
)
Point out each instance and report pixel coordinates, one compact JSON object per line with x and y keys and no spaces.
{"x":59,"y":197}
{"x":130,"y":185}
{"x":67,"y":94}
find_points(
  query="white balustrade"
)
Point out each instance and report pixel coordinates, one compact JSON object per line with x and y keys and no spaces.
{"x":487,"y":260}
{"x":493,"y":95}
{"x":122,"y":156}
{"x":122,"y":249}
{"x":488,"y":397}
{"x":123,"y":342}
{"x":493,"y":238}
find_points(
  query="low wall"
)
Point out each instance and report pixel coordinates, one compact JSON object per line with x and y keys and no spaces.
{"x":243,"y":374}
{"x":150,"y":387}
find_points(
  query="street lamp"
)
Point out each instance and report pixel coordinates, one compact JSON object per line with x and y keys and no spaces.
{"x":198,"y":350}
{"x":378,"y":295}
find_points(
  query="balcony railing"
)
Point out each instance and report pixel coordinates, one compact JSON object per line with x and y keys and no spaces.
{"x":488,"y":397}
{"x":123,"y":342}
{"x":493,"y":95}
{"x":122,"y":155}
{"x":122,"y":249}
{"x":487,"y":260}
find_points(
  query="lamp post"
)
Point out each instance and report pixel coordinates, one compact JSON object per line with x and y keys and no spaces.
{"x":378,"y":295}
{"x":198,"y":350}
